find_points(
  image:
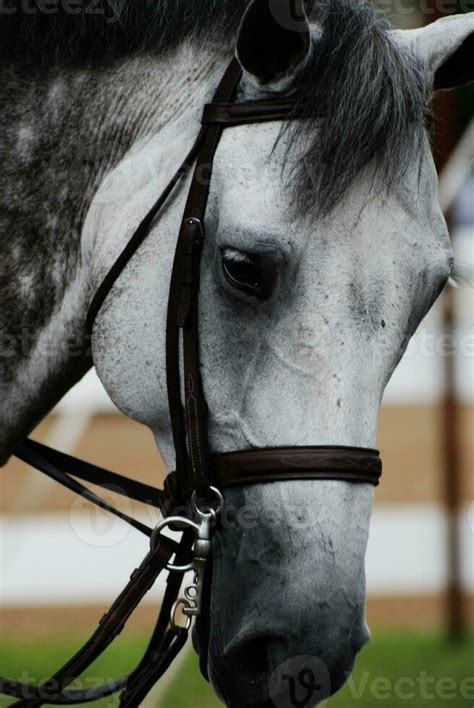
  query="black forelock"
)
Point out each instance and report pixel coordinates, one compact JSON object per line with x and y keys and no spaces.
{"x":363,"y":103}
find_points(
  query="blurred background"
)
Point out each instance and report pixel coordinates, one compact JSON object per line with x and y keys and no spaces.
{"x":63,"y":562}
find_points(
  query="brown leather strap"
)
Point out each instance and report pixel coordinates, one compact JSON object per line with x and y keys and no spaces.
{"x":269,"y":465}
{"x":261,"y":466}
{"x":190,"y":424}
{"x":110,"y":626}
{"x":232,"y":114}
{"x":138,"y":237}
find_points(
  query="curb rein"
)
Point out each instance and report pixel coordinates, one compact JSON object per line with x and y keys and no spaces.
{"x":199,"y":476}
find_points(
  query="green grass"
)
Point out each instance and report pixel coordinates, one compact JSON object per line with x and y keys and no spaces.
{"x":41,"y":657}
{"x":389,"y":658}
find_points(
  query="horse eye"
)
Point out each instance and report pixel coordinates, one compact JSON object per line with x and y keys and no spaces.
{"x":243,"y":271}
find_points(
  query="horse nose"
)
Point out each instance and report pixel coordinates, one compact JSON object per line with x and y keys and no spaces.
{"x":268,"y":671}
{"x":253,"y":660}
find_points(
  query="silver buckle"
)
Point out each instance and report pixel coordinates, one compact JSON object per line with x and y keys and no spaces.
{"x":206,"y":516}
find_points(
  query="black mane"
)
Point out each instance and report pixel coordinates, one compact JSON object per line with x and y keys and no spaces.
{"x":372,"y":98}
{"x":90,"y":31}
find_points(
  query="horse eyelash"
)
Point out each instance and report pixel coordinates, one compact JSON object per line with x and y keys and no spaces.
{"x":235,"y":256}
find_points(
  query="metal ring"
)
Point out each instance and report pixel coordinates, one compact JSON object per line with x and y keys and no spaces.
{"x":213,"y":511}
{"x":191,"y":593}
{"x":174,"y":610}
{"x":164,"y":523}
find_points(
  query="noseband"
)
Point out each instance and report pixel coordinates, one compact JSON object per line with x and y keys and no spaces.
{"x":200,"y":477}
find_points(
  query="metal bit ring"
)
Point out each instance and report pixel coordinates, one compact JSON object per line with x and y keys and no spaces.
{"x":174,"y":611}
{"x":211,"y":511}
{"x":164,"y":523}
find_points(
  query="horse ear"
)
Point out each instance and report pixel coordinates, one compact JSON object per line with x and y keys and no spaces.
{"x":446,"y":48}
{"x":273,"y":42}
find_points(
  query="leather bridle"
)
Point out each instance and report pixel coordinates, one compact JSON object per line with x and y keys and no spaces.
{"x":200,"y":477}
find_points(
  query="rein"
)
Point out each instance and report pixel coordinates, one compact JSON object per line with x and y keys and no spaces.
{"x":199,"y":476}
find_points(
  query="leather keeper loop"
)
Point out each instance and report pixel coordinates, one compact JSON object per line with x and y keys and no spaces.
{"x":233,"y":114}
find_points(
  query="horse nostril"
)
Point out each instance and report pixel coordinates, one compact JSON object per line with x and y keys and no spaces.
{"x":253,"y":661}
{"x":258,"y":653}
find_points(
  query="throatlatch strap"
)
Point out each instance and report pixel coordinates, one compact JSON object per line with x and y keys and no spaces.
{"x":139,"y":236}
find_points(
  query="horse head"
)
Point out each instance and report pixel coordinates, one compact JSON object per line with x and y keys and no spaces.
{"x":324,"y":248}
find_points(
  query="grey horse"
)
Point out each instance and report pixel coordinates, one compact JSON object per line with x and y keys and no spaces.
{"x":325,"y":249}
